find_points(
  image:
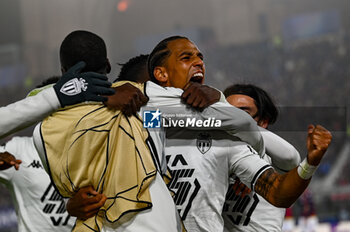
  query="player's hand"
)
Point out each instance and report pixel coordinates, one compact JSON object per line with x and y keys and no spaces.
{"x":318,"y":140}
{"x":85,"y":203}
{"x":127,"y":98}
{"x":75,"y":87}
{"x":239,"y":188}
{"x":200,"y":96}
{"x":7,"y":160}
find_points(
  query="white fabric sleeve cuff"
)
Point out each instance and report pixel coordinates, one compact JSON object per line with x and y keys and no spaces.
{"x":51,"y":97}
{"x":284,"y":156}
{"x":222,"y":96}
{"x":305,"y":170}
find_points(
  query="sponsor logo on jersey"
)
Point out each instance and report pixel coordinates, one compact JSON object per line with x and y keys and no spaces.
{"x":35,"y":164}
{"x":203,"y":142}
{"x":74,"y":87}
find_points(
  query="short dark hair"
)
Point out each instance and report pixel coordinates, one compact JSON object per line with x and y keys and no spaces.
{"x":267,"y":109}
{"x":134,"y":70}
{"x":159,"y":53}
{"x":84,"y":46}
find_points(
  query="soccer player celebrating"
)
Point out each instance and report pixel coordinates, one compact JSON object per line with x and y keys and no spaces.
{"x":92,"y":145}
{"x":202,"y":160}
{"x":175,"y":62}
{"x":257,"y":214}
{"x":38,"y":206}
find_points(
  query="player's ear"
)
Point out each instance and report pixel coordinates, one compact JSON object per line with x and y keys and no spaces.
{"x":160,"y":74}
{"x":263,"y":123}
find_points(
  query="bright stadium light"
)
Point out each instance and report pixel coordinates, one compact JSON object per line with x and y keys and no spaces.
{"x":123,"y":5}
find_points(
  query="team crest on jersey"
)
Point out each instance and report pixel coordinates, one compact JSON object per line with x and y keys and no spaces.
{"x":204,"y":142}
{"x":74,"y":87}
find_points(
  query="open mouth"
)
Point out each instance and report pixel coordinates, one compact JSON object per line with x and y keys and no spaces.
{"x":197,"y":77}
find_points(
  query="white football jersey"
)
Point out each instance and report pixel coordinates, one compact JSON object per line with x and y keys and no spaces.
{"x":252,"y":212}
{"x":200,"y":195}
{"x":167,"y":100}
{"x":201,"y":163}
{"x":185,"y":169}
{"x":38,"y":206}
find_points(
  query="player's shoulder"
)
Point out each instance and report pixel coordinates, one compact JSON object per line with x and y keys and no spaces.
{"x":153,"y":90}
{"x":237,"y":145}
{"x":22,"y":141}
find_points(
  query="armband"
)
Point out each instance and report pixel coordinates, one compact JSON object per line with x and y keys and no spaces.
{"x":305,"y":170}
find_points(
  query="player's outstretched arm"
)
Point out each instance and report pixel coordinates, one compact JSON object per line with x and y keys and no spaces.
{"x":7,"y":161}
{"x":283,"y":155}
{"x":283,"y":190}
{"x":74,"y":87}
{"x":232,"y":120}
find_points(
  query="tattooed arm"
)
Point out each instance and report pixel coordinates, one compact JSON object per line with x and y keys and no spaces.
{"x":283,"y":190}
{"x":280,"y":190}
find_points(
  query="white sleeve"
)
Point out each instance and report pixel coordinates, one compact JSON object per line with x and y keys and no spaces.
{"x":245,"y":163}
{"x":233,"y":120}
{"x":222,"y":96}
{"x":283,"y":155}
{"x":236,"y":122}
{"x":7,"y":174}
{"x":39,"y":146}
{"x":28,"y":111}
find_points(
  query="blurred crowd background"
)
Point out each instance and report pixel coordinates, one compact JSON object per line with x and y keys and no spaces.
{"x":297,"y":50}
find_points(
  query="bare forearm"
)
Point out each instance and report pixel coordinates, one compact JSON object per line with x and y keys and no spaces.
{"x":281,"y":190}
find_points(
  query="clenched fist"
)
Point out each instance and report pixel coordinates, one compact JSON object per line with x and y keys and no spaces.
{"x":318,"y":141}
